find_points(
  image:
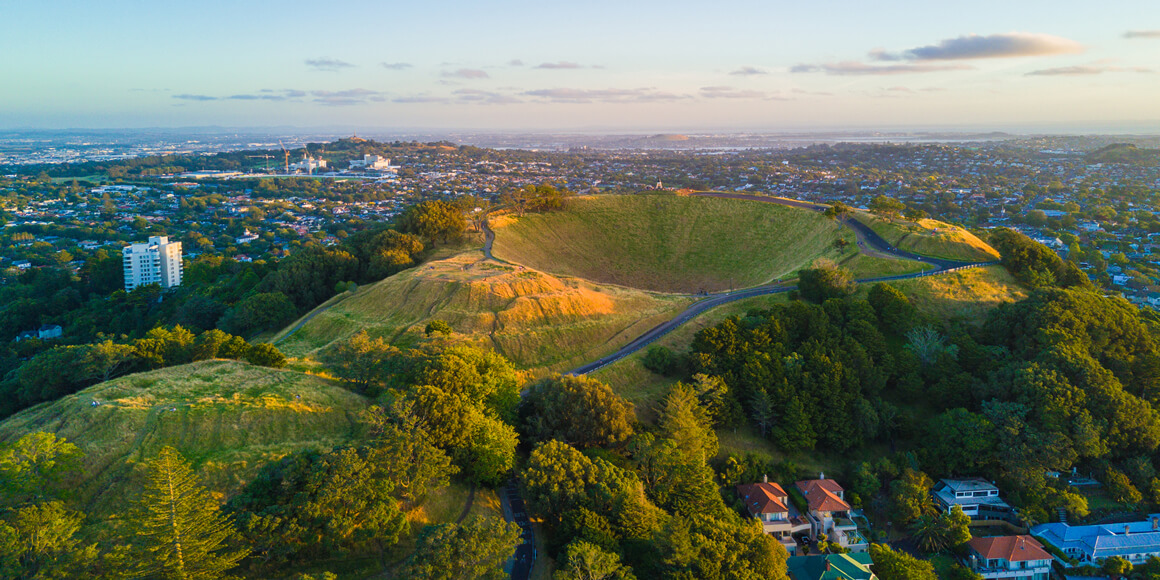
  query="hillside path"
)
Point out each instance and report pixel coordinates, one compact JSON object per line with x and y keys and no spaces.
{"x":868,"y":242}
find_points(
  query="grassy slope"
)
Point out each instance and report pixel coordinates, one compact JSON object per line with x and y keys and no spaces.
{"x":668,"y":243}
{"x":231,"y":418}
{"x":538,"y":321}
{"x":930,"y":238}
{"x":968,"y":294}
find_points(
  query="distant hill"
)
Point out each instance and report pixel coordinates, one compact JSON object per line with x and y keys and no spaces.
{"x":1125,"y":153}
{"x":537,"y":320}
{"x":229,"y":418}
{"x":669,"y":243}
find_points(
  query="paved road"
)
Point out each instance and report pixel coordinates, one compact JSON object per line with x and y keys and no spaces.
{"x":862,"y":231}
{"x":866,"y":238}
{"x":868,"y":241}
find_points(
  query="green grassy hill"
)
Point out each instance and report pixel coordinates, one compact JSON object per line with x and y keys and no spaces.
{"x":930,"y":238}
{"x":229,"y":418}
{"x":669,"y":243}
{"x":536,"y":320}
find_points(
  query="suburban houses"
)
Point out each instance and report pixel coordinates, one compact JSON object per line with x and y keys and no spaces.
{"x":831,"y":567}
{"x":1009,"y":558}
{"x":1090,"y":544}
{"x":829,"y":513}
{"x":977,"y":497}
{"x":770,"y":504}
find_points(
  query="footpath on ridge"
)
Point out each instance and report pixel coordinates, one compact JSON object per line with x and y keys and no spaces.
{"x":868,"y":241}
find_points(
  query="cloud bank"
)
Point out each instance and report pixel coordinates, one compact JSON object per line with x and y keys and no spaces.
{"x":327,"y":64}
{"x":974,"y":46}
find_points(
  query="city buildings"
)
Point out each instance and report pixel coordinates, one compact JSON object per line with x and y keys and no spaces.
{"x":157,"y":261}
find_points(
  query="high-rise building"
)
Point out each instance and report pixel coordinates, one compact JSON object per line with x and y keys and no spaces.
{"x":156,"y":262}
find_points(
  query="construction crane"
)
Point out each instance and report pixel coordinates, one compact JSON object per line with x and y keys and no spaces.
{"x":286,"y":155}
{"x":265,"y":156}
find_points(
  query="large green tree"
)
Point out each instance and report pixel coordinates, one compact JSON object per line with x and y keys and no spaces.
{"x":181,"y":527}
{"x":477,"y":548}
{"x":576,"y":410}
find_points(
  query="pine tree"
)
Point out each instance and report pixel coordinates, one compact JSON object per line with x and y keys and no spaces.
{"x":182,"y":528}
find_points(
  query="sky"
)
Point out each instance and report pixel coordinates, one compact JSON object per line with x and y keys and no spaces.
{"x":596,"y":65}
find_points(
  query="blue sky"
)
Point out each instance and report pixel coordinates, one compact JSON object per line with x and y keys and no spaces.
{"x":597,"y":65}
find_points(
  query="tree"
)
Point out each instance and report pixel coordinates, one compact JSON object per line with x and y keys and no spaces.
{"x":36,"y":466}
{"x":39,"y":542}
{"x":475,"y":549}
{"x":434,"y":220}
{"x":1116,"y":567}
{"x":935,"y":533}
{"x":825,"y":280}
{"x":928,"y":345}
{"x":1120,"y":488}
{"x":585,"y":561}
{"x":266,"y":355}
{"x":895,"y":312}
{"x":891,"y":565}
{"x":886,"y":206}
{"x":438,"y":326}
{"x":361,"y":361}
{"x":577,"y":410}
{"x":258,"y":312}
{"x":686,"y":423}
{"x":914,"y":214}
{"x":181,"y":527}
{"x":910,"y":496}
{"x":838,"y":211}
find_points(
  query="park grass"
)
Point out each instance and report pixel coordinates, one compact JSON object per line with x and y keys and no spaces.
{"x":228,"y":418}
{"x":930,"y":238}
{"x":669,"y":243}
{"x":540,"y":322}
{"x":862,"y":266}
{"x":967,"y":294}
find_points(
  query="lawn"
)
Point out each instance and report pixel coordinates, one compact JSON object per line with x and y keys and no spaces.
{"x":669,"y":243}
{"x":862,"y":266}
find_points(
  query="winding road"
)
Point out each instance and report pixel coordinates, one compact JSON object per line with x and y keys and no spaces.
{"x":868,"y":241}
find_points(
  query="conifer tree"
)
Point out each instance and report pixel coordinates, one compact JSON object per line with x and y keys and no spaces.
{"x":182,"y":529}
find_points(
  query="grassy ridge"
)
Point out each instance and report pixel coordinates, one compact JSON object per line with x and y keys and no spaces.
{"x":669,"y":243}
{"x":228,"y":417}
{"x":968,"y":294}
{"x":536,"y":320}
{"x":930,"y":238}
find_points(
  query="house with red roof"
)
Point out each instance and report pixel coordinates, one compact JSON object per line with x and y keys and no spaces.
{"x":769,"y":503}
{"x":1009,"y":558}
{"x":830,"y":514}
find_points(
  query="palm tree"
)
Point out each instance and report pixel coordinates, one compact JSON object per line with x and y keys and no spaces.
{"x":929,"y":533}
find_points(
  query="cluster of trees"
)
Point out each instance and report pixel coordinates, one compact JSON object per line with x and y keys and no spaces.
{"x":64,"y":370}
{"x":1033,"y":264}
{"x":534,"y":198}
{"x":464,"y":398}
{"x":1065,"y":377}
{"x":174,"y":528}
{"x":634,"y":502}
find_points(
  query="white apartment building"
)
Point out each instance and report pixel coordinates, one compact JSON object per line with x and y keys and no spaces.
{"x":156,"y":262}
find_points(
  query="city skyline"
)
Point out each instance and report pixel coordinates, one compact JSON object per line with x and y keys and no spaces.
{"x":528,"y":66}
